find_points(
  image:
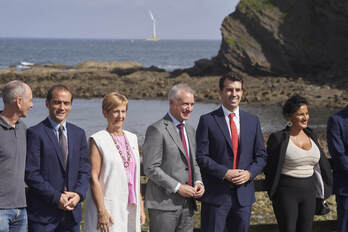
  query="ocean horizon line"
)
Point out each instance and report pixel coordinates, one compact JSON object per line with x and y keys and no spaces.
{"x":116,"y":39}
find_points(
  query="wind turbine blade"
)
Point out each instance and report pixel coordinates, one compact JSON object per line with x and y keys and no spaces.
{"x":151,"y":15}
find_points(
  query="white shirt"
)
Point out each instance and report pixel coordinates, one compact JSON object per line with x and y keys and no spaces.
{"x":236,"y":119}
{"x":176,"y":123}
{"x":56,"y":129}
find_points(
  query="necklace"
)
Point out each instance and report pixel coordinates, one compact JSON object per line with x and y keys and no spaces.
{"x":125,"y":160}
{"x":116,"y":133}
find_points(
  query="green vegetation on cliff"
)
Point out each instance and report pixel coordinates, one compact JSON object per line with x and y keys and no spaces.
{"x":249,"y":6}
{"x":236,"y":43}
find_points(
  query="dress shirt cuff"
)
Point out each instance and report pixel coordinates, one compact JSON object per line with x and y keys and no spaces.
{"x":177,"y":187}
{"x":199,"y":182}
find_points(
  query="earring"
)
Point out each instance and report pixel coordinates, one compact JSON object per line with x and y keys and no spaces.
{"x":289,"y":123}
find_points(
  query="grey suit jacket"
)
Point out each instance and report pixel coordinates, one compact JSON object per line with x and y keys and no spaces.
{"x":165,"y":164}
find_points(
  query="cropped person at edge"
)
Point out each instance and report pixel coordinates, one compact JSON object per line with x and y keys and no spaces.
{"x":17,"y":97}
{"x":337,"y":141}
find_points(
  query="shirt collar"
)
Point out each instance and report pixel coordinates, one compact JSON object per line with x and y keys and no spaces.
{"x":175,"y":121}
{"x":227,"y":112}
{"x":4,"y":123}
{"x":56,"y":125}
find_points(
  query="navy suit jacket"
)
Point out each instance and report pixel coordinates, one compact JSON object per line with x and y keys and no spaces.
{"x":337,"y":140}
{"x":45,"y":171}
{"x":215,"y":156}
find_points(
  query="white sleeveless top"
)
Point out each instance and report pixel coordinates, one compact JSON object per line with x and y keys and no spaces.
{"x":114,"y":183}
{"x":299,"y":162}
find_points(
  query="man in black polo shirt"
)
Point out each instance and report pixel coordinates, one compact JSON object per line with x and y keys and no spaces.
{"x":17,"y":97}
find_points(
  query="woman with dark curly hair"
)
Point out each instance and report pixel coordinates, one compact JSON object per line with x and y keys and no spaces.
{"x":297,"y":171}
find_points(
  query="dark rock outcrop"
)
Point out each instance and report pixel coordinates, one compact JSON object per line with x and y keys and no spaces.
{"x":287,"y":38}
{"x":95,"y":79}
{"x":203,"y":67}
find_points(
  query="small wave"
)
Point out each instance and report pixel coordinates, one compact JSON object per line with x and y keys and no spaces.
{"x":173,"y":67}
{"x":23,"y":65}
{"x":26,"y":63}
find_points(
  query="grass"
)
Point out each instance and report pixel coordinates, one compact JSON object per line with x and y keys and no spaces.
{"x":262,"y":212}
{"x":231,"y":42}
{"x":251,"y":6}
{"x":236,"y":43}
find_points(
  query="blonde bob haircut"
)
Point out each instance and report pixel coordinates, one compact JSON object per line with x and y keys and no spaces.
{"x":113,"y":100}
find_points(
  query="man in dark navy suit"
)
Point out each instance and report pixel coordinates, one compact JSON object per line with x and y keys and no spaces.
{"x":230,"y":154}
{"x":57,"y":168}
{"x":337,"y":141}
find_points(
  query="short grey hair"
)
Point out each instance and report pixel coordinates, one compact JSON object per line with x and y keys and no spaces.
{"x":12,"y":90}
{"x":175,"y":90}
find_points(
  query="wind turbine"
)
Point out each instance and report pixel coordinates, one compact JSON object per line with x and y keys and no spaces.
{"x":154,"y":37}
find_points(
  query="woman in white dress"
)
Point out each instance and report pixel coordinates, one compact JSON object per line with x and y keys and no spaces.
{"x":114,"y":202}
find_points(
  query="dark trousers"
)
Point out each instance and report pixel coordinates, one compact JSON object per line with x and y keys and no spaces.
{"x":64,"y":223}
{"x":294,"y":204}
{"x":342,"y":213}
{"x":229,"y":216}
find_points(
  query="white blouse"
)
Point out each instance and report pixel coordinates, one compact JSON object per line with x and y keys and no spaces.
{"x":299,"y":162}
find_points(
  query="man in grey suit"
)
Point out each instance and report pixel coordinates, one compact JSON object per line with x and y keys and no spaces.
{"x":169,"y":161}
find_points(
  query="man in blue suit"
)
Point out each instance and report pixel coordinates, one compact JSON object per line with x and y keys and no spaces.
{"x":337,"y":141}
{"x":57,"y":168}
{"x":230,"y":154}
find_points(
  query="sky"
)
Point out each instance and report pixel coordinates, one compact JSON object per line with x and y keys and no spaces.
{"x":113,"y":19}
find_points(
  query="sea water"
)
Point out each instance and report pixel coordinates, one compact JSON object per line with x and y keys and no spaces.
{"x":166,"y":54}
{"x":87,"y":113}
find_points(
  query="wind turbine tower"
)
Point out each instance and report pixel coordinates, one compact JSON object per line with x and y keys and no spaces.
{"x":154,"y":37}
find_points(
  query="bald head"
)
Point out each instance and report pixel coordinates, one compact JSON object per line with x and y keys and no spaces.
{"x":13,"y":90}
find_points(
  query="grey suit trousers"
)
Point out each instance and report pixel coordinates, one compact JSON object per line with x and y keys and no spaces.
{"x":180,"y":220}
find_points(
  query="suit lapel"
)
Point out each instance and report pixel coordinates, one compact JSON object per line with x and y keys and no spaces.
{"x":190,"y":137}
{"x":283,"y":148}
{"x":50,"y":134}
{"x":243,"y":124}
{"x":174,"y":134}
{"x":221,"y":122}
{"x":71,"y":142}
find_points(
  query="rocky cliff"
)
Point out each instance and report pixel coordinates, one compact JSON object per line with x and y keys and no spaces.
{"x":306,"y":38}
